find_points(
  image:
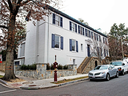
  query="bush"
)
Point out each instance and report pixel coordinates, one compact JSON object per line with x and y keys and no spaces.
{"x":60,"y":67}
{"x":28,"y":67}
{"x":48,"y":67}
{"x":65,"y":67}
{"x":52,"y":67}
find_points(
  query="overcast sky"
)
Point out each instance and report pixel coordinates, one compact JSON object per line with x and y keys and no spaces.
{"x":98,"y":13}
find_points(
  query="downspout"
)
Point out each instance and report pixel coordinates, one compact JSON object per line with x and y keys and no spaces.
{"x":37,"y":41}
{"x":48,"y":40}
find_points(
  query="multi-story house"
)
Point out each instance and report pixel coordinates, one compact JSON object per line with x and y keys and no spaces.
{"x":61,"y":35}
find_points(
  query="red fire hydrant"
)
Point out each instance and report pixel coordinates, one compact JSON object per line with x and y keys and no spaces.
{"x":55,"y":70}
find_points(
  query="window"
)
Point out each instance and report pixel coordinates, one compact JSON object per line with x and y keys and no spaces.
{"x":99,"y":38}
{"x":73,"y":27}
{"x":73,"y":45}
{"x":86,"y":32}
{"x":89,"y":34}
{"x":104,"y":53}
{"x":57,"y":20}
{"x":80,"y":30}
{"x":95,"y":36}
{"x":92,"y":35}
{"x":57,"y":41}
{"x":22,"y":49}
{"x":81,"y":47}
{"x":73,"y":61}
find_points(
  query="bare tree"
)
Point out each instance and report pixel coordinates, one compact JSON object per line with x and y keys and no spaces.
{"x":10,"y":11}
{"x":98,"y":49}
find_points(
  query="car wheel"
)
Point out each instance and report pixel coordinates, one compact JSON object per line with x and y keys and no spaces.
{"x":107,"y":77}
{"x":123,"y":72}
{"x":117,"y":74}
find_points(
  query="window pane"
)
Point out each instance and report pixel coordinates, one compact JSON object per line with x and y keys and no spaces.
{"x":56,"y":41}
{"x":73,"y":45}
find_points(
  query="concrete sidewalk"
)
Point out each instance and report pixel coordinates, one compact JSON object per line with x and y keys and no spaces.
{"x":32,"y":84}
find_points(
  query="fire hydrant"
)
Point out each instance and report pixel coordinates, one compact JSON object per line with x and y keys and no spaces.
{"x":55,"y":70}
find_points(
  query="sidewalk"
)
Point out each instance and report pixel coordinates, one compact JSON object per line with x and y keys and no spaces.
{"x":31,"y":83}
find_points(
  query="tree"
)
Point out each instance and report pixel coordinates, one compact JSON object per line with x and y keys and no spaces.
{"x":117,"y":38}
{"x":97,"y":49}
{"x":10,"y":11}
{"x":82,"y":21}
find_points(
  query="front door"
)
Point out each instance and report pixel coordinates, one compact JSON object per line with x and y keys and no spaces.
{"x":88,"y":50}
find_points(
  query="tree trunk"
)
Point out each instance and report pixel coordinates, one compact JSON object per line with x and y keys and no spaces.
{"x":9,"y":67}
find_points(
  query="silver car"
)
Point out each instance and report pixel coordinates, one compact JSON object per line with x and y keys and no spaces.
{"x":103,"y":72}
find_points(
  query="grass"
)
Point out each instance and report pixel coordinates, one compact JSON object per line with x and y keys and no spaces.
{"x":68,"y":80}
{"x":1,"y":76}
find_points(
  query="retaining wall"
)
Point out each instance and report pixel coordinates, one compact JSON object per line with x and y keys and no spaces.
{"x":42,"y":73}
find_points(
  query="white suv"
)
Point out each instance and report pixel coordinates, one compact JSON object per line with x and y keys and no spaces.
{"x":122,"y":66}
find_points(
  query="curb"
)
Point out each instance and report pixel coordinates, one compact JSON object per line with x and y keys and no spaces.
{"x":39,"y":87}
{"x":4,"y":82}
{"x":73,"y":82}
{"x":30,"y":88}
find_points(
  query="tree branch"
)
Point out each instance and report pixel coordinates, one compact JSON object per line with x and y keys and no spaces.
{"x":19,"y":1}
{"x":25,"y":2}
{"x":6,"y":5}
{"x":2,"y":26}
{"x":10,"y":5}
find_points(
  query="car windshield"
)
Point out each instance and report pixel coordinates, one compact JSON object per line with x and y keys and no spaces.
{"x":101,"y":67}
{"x":116,"y":63}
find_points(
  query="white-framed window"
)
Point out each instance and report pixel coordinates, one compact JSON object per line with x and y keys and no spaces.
{"x":73,"y":45}
{"x":57,"y":41}
{"x":73,"y":26}
{"x":22,"y":50}
{"x":57,"y":20}
{"x":81,"y":47}
{"x":80,"y":30}
{"x":74,"y":61}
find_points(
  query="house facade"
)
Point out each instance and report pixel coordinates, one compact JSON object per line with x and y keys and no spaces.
{"x":61,"y":35}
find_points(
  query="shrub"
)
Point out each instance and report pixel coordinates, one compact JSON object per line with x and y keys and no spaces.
{"x":28,"y":67}
{"x":65,"y":67}
{"x":60,"y":67}
{"x":52,"y":67}
{"x":48,"y":67}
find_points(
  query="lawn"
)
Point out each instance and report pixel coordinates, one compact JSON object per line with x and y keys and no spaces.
{"x":1,"y":76}
{"x":68,"y":80}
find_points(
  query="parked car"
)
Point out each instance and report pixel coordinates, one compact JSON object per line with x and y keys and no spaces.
{"x":103,"y":72}
{"x":122,"y":66}
{"x":125,"y":60}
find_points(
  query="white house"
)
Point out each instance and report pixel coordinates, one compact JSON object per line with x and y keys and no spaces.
{"x":61,"y":35}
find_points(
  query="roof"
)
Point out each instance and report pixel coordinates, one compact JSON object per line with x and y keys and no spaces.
{"x":71,"y":18}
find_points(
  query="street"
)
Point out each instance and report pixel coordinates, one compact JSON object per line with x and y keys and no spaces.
{"x":114,"y":87}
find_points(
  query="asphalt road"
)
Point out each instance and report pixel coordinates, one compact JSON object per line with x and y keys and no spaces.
{"x":4,"y":89}
{"x":114,"y":87}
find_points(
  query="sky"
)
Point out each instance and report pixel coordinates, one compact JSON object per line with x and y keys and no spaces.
{"x":98,"y":13}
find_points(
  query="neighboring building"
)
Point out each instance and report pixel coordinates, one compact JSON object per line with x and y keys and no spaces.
{"x":61,"y":35}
